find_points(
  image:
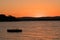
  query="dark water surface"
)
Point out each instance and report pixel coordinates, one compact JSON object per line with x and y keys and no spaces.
{"x":32,"y":30}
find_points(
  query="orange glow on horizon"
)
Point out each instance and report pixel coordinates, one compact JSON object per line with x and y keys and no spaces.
{"x":30,"y":8}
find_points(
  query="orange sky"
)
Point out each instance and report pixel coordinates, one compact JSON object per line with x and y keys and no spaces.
{"x":35,"y":8}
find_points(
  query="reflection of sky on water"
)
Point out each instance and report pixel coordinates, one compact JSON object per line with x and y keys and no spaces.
{"x":39,"y":30}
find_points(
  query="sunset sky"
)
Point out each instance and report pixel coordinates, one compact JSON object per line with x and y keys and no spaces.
{"x":33,"y":8}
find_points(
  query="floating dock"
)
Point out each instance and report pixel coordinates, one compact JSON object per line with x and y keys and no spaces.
{"x":14,"y":30}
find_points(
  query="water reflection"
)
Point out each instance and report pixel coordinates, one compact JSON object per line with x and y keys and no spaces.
{"x":33,"y":30}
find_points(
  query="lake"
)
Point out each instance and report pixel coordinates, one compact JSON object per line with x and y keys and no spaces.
{"x":31,"y":30}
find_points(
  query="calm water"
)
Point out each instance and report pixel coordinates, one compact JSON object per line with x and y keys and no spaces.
{"x":32,"y":30}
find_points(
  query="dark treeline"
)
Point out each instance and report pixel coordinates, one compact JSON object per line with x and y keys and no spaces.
{"x":12,"y":18}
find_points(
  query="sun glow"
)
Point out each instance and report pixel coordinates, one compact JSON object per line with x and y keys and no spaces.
{"x":39,"y":14}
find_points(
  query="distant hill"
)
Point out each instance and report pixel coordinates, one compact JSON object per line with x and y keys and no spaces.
{"x":12,"y":18}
